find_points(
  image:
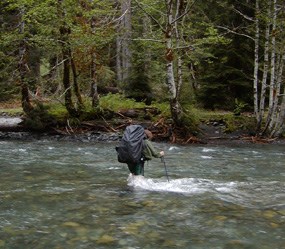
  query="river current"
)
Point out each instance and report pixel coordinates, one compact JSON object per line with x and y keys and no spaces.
{"x":59,"y":194}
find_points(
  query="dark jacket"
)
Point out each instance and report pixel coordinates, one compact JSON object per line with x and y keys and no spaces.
{"x":149,"y":151}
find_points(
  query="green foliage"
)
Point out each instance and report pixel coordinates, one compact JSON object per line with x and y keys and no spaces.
{"x":164,"y":109}
{"x":239,"y":123}
{"x":39,"y":119}
{"x":206,"y":115}
{"x":222,"y":62}
{"x":224,"y":67}
{"x":12,"y":111}
{"x":191,"y":118}
{"x":7,"y":91}
{"x":105,"y":75}
{"x":239,"y":107}
{"x":224,"y":78}
{"x":58,"y":111}
{"x":115,"y":102}
{"x":139,"y":86}
{"x":232,"y":122}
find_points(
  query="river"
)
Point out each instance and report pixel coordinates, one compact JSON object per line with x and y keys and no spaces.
{"x":63,"y":194}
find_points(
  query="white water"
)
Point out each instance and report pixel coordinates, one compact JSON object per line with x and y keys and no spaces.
{"x":183,"y":185}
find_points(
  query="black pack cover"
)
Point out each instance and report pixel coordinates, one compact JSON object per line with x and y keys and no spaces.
{"x":131,"y":145}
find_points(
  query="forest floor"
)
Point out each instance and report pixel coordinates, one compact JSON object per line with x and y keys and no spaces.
{"x":210,"y":132}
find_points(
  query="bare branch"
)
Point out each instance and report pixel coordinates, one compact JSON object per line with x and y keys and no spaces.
{"x":65,"y":91}
{"x":149,"y":39}
{"x":244,"y":16}
{"x":234,"y":32}
{"x":183,"y":14}
{"x":156,"y":21}
{"x":185,"y":47}
{"x":119,"y":18}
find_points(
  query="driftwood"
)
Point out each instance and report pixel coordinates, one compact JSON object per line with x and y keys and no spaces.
{"x":259,"y":140}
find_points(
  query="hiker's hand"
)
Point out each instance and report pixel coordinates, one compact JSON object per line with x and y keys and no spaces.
{"x":161,"y":153}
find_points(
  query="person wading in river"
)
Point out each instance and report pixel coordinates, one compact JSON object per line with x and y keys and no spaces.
{"x":147,"y":154}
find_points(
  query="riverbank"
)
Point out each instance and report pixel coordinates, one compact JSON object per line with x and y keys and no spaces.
{"x":222,"y":128}
{"x":212,"y":133}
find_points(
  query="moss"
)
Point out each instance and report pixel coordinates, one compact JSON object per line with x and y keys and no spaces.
{"x":55,"y":113}
{"x":191,"y":119}
{"x":164,"y":109}
{"x":115,"y":102}
{"x":39,"y":119}
{"x":242,"y":122}
{"x":58,"y":111}
{"x":12,"y":111}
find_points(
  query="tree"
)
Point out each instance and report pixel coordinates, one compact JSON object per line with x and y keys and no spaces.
{"x":272,"y":73}
{"x":274,"y":118}
{"x":186,"y":42}
{"x":123,"y":40}
{"x":174,"y":11}
{"x":20,"y":33}
{"x":55,"y":31}
{"x":265,"y":27}
{"x":223,"y":63}
{"x":23,"y":65}
{"x":92,"y":41}
{"x":65,"y":32}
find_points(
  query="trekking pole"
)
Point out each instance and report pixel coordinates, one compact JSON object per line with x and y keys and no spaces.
{"x":166,"y":173}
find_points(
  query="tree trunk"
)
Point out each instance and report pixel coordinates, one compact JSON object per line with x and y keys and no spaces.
{"x":119,"y":59}
{"x":276,"y":126}
{"x":273,"y":48}
{"x":275,"y":84}
{"x":127,"y":54}
{"x":94,"y":87}
{"x":179,"y":11}
{"x":23,"y":69}
{"x":93,"y":71}
{"x":273,"y":93}
{"x":66,"y":55}
{"x":279,"y":127}
{"x":256,"y":63}
{"x":66,"y":83}
{"x":52,"y":74}
{"x":265,"y":76}
{"x":75,"y":85}
{"x":175,"y":108}
{"x":123,"y":42}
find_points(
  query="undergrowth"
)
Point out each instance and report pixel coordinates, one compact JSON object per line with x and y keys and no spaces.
{"x":111,"y":104}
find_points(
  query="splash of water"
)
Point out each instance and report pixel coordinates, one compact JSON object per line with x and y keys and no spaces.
{"x":182,"y":185}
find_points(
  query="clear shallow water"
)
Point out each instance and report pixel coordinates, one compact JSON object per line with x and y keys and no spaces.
{"x":76,"y":195}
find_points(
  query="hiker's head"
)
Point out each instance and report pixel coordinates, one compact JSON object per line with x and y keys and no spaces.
{"x":148,"y":134}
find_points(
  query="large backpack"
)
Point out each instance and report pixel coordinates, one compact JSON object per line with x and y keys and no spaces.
{"x":131,"y":145}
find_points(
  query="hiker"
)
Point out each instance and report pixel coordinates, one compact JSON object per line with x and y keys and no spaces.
{"x":147,"y":154}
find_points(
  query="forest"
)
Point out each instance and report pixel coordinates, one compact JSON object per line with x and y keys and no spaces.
{"x":173,"y":55}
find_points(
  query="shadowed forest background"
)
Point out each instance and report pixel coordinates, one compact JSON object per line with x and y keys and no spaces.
{"x":70,"y":61}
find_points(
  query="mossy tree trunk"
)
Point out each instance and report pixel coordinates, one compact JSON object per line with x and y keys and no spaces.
{"x":23,"y":67}
{"x":76,"y":86}
{"x":66,"y":56}
{"x":93,"y":71}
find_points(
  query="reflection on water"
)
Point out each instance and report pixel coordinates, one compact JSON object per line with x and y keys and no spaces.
{"x":76,"y":195}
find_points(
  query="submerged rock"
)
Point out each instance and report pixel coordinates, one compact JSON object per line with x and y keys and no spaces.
{"x":10,"y":121}
{"x":106,"y":239}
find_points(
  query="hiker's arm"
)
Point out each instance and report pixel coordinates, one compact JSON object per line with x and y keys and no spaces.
{"x":151,"y":151}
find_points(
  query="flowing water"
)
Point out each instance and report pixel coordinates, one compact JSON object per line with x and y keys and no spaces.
{"x":58,"y":194}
